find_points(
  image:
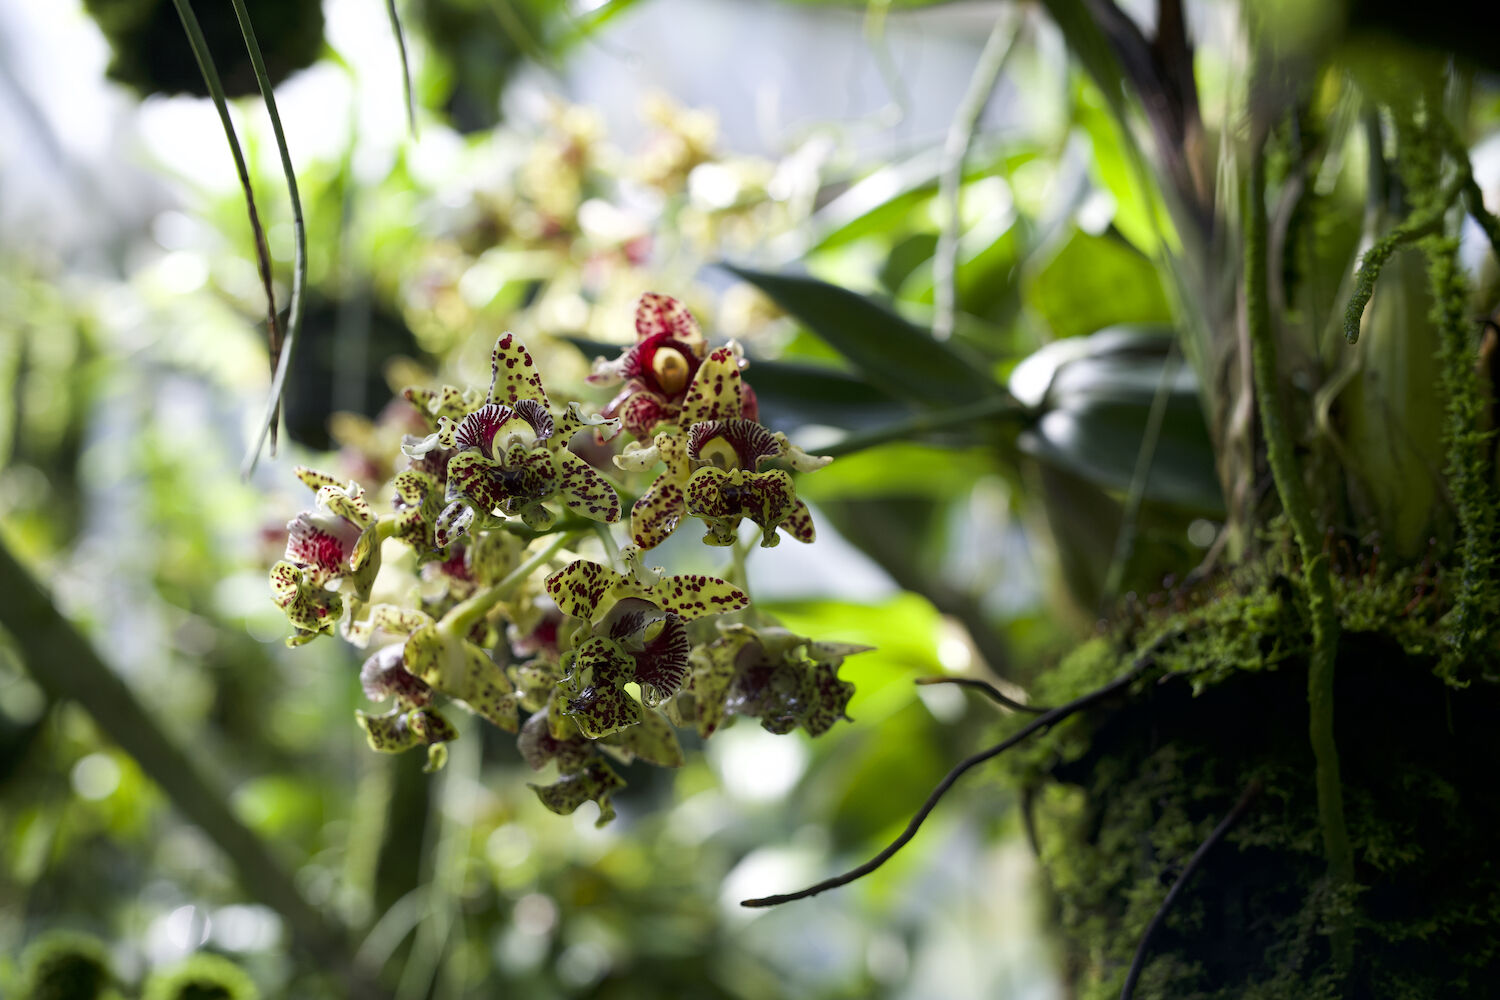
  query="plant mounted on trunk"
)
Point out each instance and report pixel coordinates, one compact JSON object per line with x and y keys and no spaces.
{"x":1273,"y":778}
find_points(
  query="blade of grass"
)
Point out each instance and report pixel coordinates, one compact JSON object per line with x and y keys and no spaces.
{"x":411,"y":102}
{"x":262,"y":253}
{"x":1002,"y":42}
{"x":299,"y":265}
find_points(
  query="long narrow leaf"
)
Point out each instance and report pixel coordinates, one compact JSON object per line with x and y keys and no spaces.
{"x":299,"y":273}
{"x":891,"y":353}
{"x":411,"y":102}
{"x":221,"y":104}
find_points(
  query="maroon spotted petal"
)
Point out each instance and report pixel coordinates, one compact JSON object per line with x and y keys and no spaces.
{"x":658,"y":315}
{"x":643,"y":410}
{"x":478,"y":429}
{"x":661,"y":666}
{"x":535,"y":414}
{"x":321,"y":542}
{"x":752,"y":442}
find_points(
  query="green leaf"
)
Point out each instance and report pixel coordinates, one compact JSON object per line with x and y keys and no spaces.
{"x":793,"y":394}
{"x":891,"y":353}
{"x":1092,"y":282}
{"x":1100,"y":440}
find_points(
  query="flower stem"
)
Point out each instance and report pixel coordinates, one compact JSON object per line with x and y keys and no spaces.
{"x":1298,"y":507}
{"x":463,"y":616}
{"x":611,"y":550}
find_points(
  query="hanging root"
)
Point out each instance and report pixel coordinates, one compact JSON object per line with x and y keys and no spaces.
{"x":1188,"y":870}
{"x":1050,"y":718}
{"x":1421,"y":222}
{"x":1299,"y":511}
{"x":987,"y":689}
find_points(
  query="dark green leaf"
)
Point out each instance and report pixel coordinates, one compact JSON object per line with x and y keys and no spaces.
{"x":891,"y":353}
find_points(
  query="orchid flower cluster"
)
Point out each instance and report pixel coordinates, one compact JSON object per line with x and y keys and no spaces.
{"x":588,"y":662}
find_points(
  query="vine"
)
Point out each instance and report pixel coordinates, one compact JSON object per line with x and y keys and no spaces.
{"x":1295,"y":502}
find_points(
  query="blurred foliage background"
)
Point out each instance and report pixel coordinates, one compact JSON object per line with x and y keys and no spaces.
{"x":811,"y":179}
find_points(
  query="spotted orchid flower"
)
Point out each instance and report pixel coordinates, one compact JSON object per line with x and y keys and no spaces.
{"x":644,"y":645}
{"x":412,"y":721}
{"x":658,"y":370}
{"x":783,"y":679}
{"x":436,"y":660}
{"x":590,"y":590}
{"x":717,"y":470}
{"x":638,"y":635}
{"x":511,"y":454}
{"x":549,"y":738}
{"x":332,"y":552}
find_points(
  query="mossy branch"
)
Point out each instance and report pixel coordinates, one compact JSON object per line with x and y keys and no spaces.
{"x":1468,"y":466}
{"x":1298,"y":506}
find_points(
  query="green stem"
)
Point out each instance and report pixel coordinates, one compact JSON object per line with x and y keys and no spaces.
{"x":999,"y":406}
{"x":607,"y":539}
{"x":66,"y":666}
{"x":210,"y":73}
{"x":1468,"y":464}
{"x":992,"y":60}
{"x":464,"y":615}
{"x":1419,"y":224}
{"x":411,"y":102}
{"x":1298,"y":507}
{"x":299,"y":229}
{"x":1130,"y":514}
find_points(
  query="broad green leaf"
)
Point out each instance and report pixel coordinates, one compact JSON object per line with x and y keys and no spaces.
{"x":1092,"y":282}
{"x":792,"y":394}
{"x":1100,"y":441}
{"x":891,"y":353}
{"x":1096,"y":393}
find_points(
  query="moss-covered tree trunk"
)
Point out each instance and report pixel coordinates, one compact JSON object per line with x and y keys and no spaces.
{"x":1337,"y":665}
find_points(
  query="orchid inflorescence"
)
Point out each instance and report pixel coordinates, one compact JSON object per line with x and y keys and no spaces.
{"x":605,"y":659}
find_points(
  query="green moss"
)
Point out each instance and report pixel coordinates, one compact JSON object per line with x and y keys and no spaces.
{"x":1126,"y":792}
{"x":64,"y":966}
{"x":201,"y":977}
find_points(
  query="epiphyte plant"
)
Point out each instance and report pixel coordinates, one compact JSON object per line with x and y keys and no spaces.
{"x":586,"y":660}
